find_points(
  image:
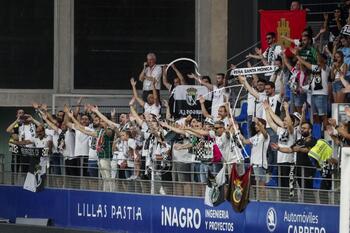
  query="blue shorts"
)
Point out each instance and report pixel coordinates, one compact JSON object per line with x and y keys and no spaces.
{"x":319,"y":104}
{"x":299,"y":99}
{"x":337,"y":86}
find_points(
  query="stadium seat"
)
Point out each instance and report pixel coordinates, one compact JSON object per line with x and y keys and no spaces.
{"x":244,"y":129}
{"x":316,"y":131}
{"x":243,"y":114}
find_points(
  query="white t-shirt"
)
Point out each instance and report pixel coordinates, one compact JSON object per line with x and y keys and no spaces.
{"x":69,"y":141}
{"x":251,"y":104}
{"x":92,"y":147}
{"x":41,"y":143}
{"x":81,"y":143}
{"x":155,"y":72}
{"x":154,"y":109}
{"x":271,"y":53}
{"x":285,"y":139}
{"x":223,"y":142}
{"x":183,"y":155}
{"x":218,"y":100}
{"x":54,"y":137}
{"x":277,"y":78}
{"x":26,"y":132}
{"x":122,"y":152}
{"x":319,"y":85}
{"x":275,"y":103}
{"x":226,"y":120}
{"x":259,"y":150}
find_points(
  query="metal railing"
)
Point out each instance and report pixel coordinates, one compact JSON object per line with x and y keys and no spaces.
{"x":191,"y":181}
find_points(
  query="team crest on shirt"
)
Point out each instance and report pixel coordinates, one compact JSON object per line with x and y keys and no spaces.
{"x":191,"y":96}
{"x":238,"y":192}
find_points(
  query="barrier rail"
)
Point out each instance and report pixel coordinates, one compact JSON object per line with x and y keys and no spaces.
{"x":191,"y":181}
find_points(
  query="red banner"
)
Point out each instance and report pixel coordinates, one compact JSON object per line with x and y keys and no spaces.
{"x":282,"y":22}
{"x":238,"y":189}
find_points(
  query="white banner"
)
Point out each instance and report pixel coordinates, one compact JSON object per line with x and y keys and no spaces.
{"x":254,"y":70}
{"x":345,"y":30}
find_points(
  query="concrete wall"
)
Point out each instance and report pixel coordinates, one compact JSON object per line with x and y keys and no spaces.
{"x":211,"y":36}
{"x":211,"y":51}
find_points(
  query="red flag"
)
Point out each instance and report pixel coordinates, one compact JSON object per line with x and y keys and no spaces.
{"x":238,"y":189}
{"x":282,"y":22}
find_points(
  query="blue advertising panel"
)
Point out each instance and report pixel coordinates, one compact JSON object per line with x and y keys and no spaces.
{"x":156,"y":213}
{"x":292,"y":218}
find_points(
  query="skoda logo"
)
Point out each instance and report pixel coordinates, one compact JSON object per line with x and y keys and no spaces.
{"x":271,"y":219}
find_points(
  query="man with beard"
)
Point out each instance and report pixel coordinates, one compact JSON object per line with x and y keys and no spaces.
{"x":220,"y":94}
{"x":81,"y":150}
{"x":274,"y":100}
{"x":222,"y":113}
{"x":277,"y":77}
{"x":305,"y":169}
{"x":271,"y":53}
{"x":104,"y":137}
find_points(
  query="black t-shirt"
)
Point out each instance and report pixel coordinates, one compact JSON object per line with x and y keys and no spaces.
{"x":303,"y":158}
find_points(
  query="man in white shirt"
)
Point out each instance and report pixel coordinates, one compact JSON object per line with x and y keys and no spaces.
{"x":152,"y":105}
{"x":271,"y":53}
{"x":222,"y":113}
{"x":79,"y":163}
{"x":150,"y":72}
{"x":274,"y":101}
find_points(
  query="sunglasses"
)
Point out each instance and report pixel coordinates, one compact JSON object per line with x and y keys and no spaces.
{"x":268,"y":38}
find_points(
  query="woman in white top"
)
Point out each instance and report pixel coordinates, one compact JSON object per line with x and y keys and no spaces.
{"x":339,"y":68}
{"x":152,"y":105}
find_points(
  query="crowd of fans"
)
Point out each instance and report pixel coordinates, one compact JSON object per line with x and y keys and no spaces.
{"x":278,"y":127}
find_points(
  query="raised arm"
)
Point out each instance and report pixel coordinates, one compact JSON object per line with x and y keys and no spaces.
{"x":167,"y":112}
{"x":165,"y":78}
{"x":179,"y":75}
{"x":49,"y":123}
{"x":288,"y":118}
{"x":275,"y":146}
{"x":142,"y":75}
{"x":77,"y":108}
{"x":12,"y":125}
{"x":304,"y":62}
{"x":43,"y":109}
{"x":248,"y":87}
{"x":138,"y":119}
{"x":205,"y":113}
{"x":110,"y":123}
{"x":287,"y":39}
{"x":195,"y":77}
{"x":176,"y":130}
{"x":138,"y":99}
{"x":30,"y":118}
{"x":154,"y":91}
{"x":286,"y":62}
{"x":79,"y":127}
{"x":269,"y":118}
{"x":276,"y":119}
